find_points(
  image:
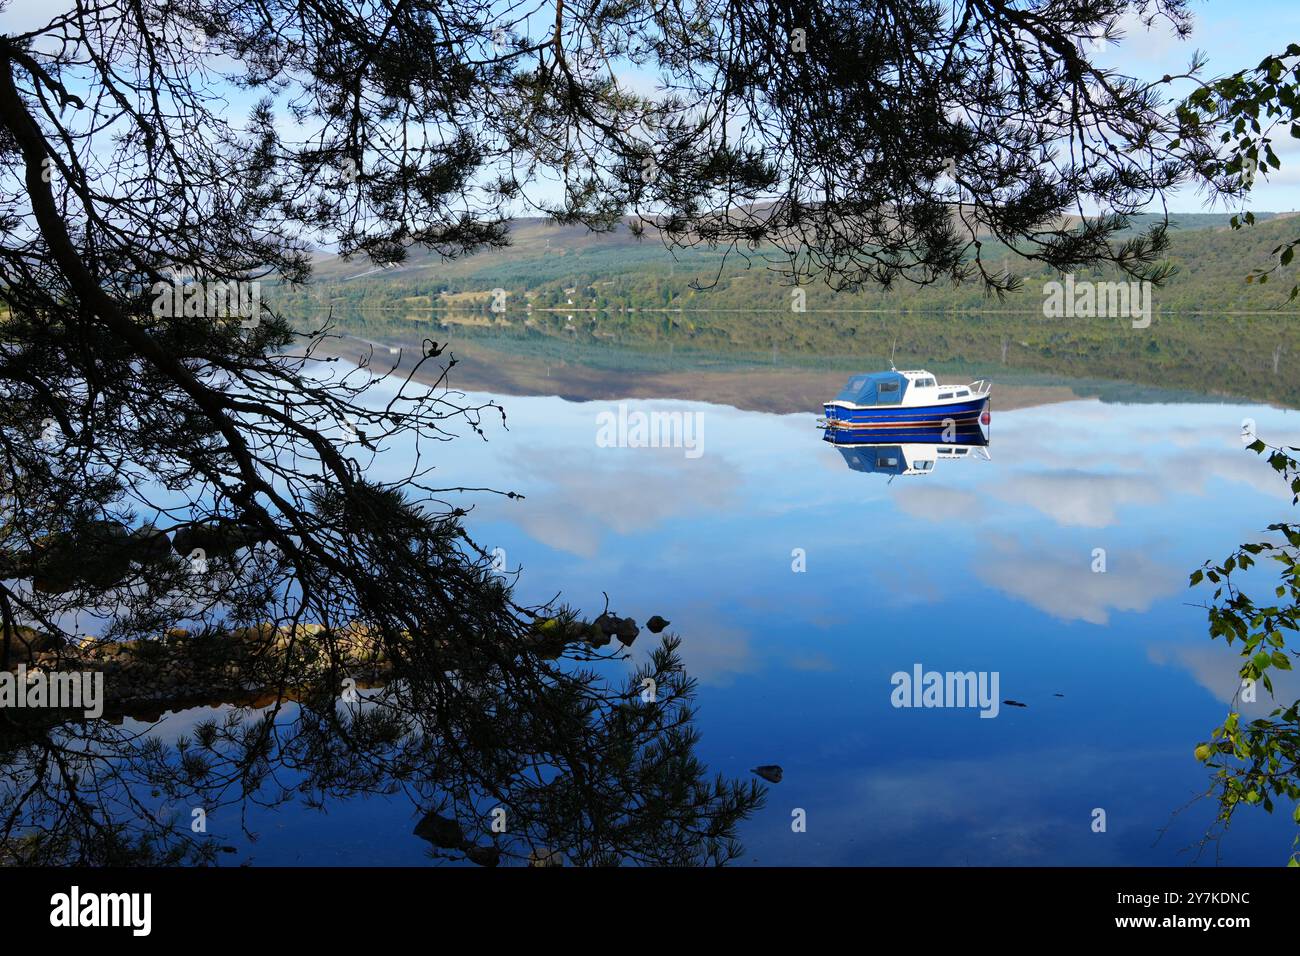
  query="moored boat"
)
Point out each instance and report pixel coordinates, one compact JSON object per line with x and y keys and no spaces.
{"x":907,"y":400}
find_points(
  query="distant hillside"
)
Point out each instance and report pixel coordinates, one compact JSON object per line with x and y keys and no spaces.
{"x":570,"y":268}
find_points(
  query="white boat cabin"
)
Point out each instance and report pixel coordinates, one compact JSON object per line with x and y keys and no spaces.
{"x":908,"y":389}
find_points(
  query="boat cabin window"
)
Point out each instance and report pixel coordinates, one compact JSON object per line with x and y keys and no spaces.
{"x":945,"y":395}
{"x":924,"y":465}
{"x":886,"y":462}
{"x":884,"y":387}
{"x":924,"y":383}
{"x":963,"y":393}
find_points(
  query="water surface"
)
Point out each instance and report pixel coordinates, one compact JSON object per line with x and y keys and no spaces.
{"x":800,"y":586}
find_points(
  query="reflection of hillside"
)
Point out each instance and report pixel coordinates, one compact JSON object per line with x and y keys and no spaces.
{"x":781,"y":390}
{"x":1183,"y":360}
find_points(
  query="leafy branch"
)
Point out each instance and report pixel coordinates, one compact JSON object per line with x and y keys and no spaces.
{"x":1257,"y":762}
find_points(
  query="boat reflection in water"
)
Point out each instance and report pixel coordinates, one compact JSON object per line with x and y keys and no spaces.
{"x":908,"y":451}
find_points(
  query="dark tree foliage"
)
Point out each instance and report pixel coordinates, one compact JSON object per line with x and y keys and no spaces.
{"x":147,"y":421}
{"x":876,"y":141}
{"x":162,"y":158}
{"x":865,"y":141}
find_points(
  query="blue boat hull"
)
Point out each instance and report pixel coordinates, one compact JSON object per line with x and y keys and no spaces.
{"x":968,"y":433}
{"x":902,"y":417}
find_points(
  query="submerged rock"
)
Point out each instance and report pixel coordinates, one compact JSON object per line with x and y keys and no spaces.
{"x":627,"y":631}
{"x":540,"y":856}
{"x":97,"y":555}
{"x":440,"y":831}
{"x":611,"y":625}
{"x":484,"y":855}
{"x":150,"y":544}
{"x":223,"y":537}
{"x":25,"y":642}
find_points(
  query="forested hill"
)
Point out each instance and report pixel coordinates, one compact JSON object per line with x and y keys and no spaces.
{"x":570,"y":268}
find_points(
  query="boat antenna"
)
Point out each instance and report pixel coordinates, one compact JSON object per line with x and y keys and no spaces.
{"x":892,"y":348}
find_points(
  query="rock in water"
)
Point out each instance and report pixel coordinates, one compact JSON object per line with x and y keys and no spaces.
{"x":223,"y":537}
{"x":1014,"y":703}
{"x":150,"y":543}
{"x":656,"y":624}
{"x":440,"y":831}
{"x":596,"y":636}
{"x":540,"y":856}
{"x":24,"y":642}
{"x":627,"y":631}
{"x":484,"y":855}
{"x":769,"y":772}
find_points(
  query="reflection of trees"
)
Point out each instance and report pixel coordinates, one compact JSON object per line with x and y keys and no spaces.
{"x":1183,"y":354}
{"x":593,"y":773}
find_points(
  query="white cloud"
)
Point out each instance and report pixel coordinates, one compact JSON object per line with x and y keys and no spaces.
{"x":1064,"y":585}
{"x":1217,"y":667}
{"x":1080,"y":499}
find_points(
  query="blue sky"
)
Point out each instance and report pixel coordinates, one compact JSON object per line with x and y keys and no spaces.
{"x":1234,"y":35}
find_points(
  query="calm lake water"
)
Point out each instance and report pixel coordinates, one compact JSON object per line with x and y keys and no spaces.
{"x":800,"y":585}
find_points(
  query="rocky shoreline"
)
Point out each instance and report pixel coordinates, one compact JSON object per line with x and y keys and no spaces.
{"x":242,"y":667}
{"x":248,"y":666}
